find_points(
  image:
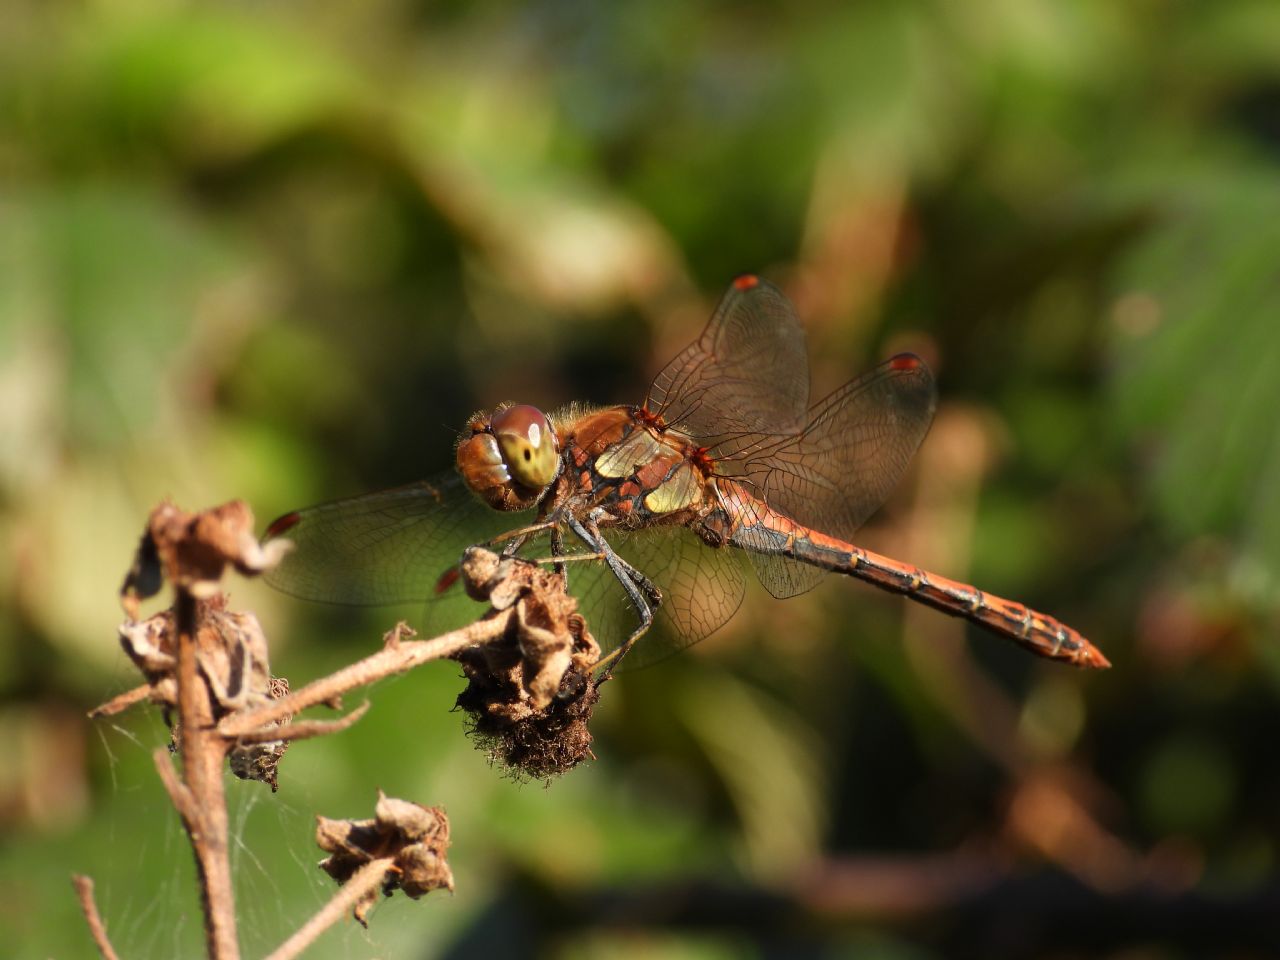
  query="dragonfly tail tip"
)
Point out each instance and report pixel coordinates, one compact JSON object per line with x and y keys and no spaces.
{"x":1095,"y":659}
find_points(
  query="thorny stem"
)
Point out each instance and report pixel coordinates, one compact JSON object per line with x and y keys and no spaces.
{"x":84,"y":890}
{"x":363,"y":882}
{"x":203,"y":805}
{"x":396,"y":657}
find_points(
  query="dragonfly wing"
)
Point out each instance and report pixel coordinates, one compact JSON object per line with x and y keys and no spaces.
{"x":384,"y":548}
{"x":785,"y":578}
{"x":701,"y":589}
{"x":741,"y":390}
{"x":747,"y":373}
{"x":838,"y":470}
{"x":781,"y":576}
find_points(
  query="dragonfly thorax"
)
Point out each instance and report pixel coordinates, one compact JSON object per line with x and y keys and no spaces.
{"x":510,"y":456}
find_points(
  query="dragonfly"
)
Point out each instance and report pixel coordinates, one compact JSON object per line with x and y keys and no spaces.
{"x":725,"y":469}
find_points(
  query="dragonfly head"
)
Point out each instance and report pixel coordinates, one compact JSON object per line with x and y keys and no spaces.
{"x":510,"y":456}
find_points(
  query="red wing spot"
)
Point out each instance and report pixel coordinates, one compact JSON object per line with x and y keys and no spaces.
{"x":905,"y":362}
{"x":748,"y":281}
{"x":447,"y":580}
{"x":281,"y":524}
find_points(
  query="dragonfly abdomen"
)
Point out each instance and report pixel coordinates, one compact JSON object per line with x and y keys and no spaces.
{"x":1038,"y":632}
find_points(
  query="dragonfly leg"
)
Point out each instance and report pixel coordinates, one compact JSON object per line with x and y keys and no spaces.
{"x":561,"y":559}
{"x":519,"y":535}
{"x":642,"y":592}
{"x":650,"y":589}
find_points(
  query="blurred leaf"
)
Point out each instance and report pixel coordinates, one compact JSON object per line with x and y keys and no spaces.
{"x":767,"y":761}
{"x":1196,"y":346}
{"x":123,"y":274}
{"x":216,"y":82}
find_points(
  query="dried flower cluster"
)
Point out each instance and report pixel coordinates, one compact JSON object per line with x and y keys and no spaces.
{"x":530,"y":692}
{"x":413,"y":837}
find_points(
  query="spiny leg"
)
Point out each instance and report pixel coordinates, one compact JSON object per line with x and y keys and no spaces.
{"x":556,"y":560}
{"x":515,"y":539}
{"x":643,"y":582}
{"x":642,"y":592}
{"x":651,"y":591}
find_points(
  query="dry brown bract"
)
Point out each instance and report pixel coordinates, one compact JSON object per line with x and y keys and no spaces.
{"x":530,"y":693}
{"x":230,"y":648}
{"x":192,"y":551}
{"x":412,"y":837}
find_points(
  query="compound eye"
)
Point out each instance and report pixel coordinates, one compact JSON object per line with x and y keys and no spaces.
{"x":528,"y":444}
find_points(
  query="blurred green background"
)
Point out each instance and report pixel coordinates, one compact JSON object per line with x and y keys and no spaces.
{"x":281,"y":251}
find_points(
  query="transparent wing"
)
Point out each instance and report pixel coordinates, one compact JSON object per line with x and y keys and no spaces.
{"x":384,"y":548}
{"x":701,"y":589}
{"x":403,"y":545}
{"x":832,"y":475}
{"x":741,"y":390}
{"x":838,"y":470}
{"x":746,"y":374}
{"x":756,"y":537}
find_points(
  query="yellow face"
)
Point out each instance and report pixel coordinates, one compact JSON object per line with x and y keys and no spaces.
{"x":510,"y":457}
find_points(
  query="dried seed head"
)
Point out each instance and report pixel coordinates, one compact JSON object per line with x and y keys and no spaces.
{"x":192,"y":550}
{"x":544,"y":744}
{"x":414,"y":837}
{"x":531,"y":693}
{"x":230,"y":648}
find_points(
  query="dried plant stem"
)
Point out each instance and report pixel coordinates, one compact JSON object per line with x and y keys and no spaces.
{"x":304,"y":729}
{"x":202,"y":802}
{"x":198,"y":794}
{"x":363,"y":882}
{"x":396,"y":657}
{"x":84,"y":890}
{"x":121,"y":703}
